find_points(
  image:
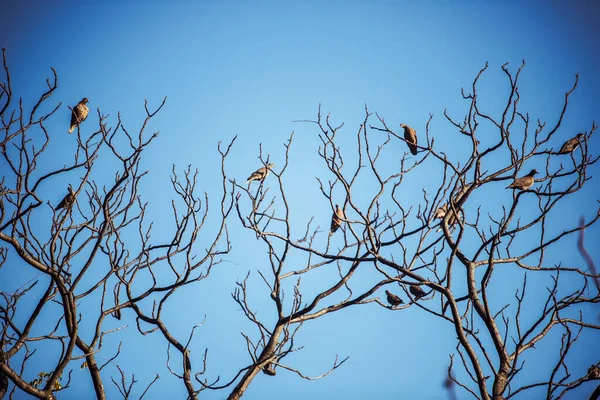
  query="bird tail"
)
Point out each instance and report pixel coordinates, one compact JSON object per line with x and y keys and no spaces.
{"x":72,"y":128}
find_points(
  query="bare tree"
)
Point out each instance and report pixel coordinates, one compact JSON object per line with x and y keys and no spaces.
{"x":94,"y":248}
{"x":437,"y":251}
{"x":440,"y":251}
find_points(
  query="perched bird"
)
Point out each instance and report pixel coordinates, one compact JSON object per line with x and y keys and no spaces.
{"x":393,"y":299}
{"x":260,"y":173}
{"x":441,"y":212}
{"x":524,"y":182}
{"x":410,"y":135}
{"x":336,"y":219}
{"x":269,"y":369}
{"x":417,"y":291}
{"x":79,"y":113}
{"x":570,"y":144}
{"x":593,"y":372}
{"x":67,"y":201}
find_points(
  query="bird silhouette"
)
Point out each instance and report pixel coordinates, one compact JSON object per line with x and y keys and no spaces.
{"x":260,"y":174}
{"x":269,"y":369}
{"x":410,"y":135}
{"x":79,"y":113}
{"x":524,"y":182}
{"x":417,"y":291}
{"x":393,"y":299}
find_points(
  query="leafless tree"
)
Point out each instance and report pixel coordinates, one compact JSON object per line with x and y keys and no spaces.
{"x":96,"y":250}
{"x":438,"y":250}
{"x":441,"y":251}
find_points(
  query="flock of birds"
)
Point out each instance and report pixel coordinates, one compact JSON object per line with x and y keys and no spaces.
{"x":80,"y":112}
{"x":410,"y":136}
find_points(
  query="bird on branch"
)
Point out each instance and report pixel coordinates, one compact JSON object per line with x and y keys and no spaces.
{"x":524,"y":182}
{"x":417,"y":291}
{"x":260,"y":174}
{"x":79,"y":113}
{"x":570,"y":145}
{"x":410,"y":135}
{"x":336,"y":219}
{"x":67,"y":201}
{"x":393,"y":299}
{"x":269,"y":369}
{"x":441,"y":212}
{"x":593,"y":372}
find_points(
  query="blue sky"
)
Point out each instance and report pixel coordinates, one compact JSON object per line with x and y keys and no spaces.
{"x":252,"y":68}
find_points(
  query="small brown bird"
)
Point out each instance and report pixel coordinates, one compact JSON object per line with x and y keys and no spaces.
{"x":336,"y":219}
{"x":570,"y":144}
{"x":441,"y":212}
{"x":79,"y":113}
{"x":260,"y":174}
{"x":410,"y":135}
{"x":524,"y":182}
{"x":269,"y":369}
{"x":593,"y":372}
{"x":417,"y":291}
{"x":67,"y":201}
{"x":393,"y":299}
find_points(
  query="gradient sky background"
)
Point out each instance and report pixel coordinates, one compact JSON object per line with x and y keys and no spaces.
{"x":250,"y":69}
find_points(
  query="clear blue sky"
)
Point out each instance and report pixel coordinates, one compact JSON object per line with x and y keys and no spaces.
{"x":250,"y":69}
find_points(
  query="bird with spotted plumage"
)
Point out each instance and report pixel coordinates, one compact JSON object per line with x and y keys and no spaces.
{"x":79,"y":113}
{"x":67,"y":201}
{"x":260,"y":174}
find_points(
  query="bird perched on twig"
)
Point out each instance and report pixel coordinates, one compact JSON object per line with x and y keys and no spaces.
{"x":67,"y":201}
{"x":417,"y":291}
{"x":336,"y":219}
{"x":269,"y":369}
{"x":593,"y":372}
{"x":79,"y":113}
{"x":393,"y":299}
{"x":441,"y":212}
{"x":570,"y":144}
{"x":524,"y":182}
{"x":260,"y":174}
{"x":410,"y":135}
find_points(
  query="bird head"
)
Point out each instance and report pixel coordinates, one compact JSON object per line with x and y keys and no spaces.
{"x":579,"y":136}
{"x":533,"y":172}
{"x":387,"y":292}
{"x":84,"y":100}
{"x":270,"y":165}
{"x":402,"y":125}
{"x":70,"y":188}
